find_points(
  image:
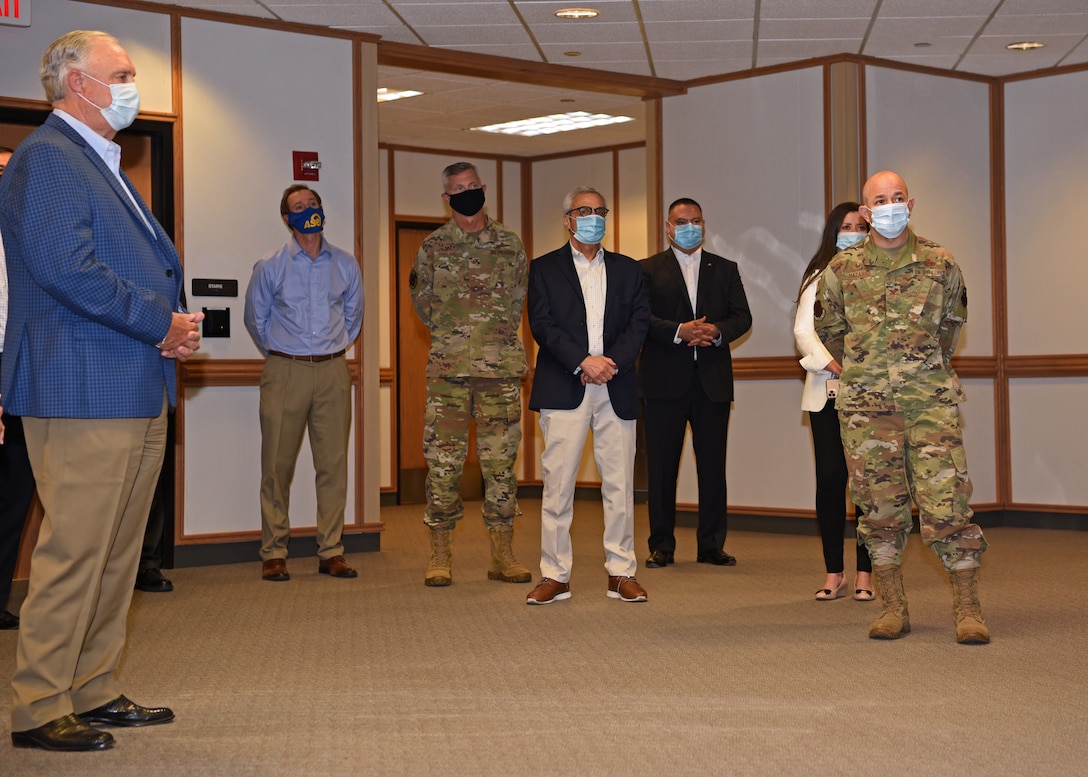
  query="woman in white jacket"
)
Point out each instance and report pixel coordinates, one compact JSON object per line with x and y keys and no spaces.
{"x":844,"y":227}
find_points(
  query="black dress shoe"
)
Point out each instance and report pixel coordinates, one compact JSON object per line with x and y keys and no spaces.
{"x":122,"y":712}
{"x":67,"y":733}
{"x":659,"y":558}
{"x":152,"y":581}
{"x":8,"y":622}
{"x":717,"y":557}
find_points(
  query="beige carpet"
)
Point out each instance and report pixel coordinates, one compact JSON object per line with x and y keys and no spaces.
{"x":724,"y":671}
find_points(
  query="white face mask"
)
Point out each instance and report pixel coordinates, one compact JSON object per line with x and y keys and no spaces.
{"x":124,"y":104}
{"x":847,"y":239}
{"x":890,"y":220}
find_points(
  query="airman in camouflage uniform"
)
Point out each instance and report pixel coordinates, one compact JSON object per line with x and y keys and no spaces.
{"x":468,"y":286}
{"x":889,"y":309}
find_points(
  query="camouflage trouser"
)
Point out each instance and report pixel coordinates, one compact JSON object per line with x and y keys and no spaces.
{"x":495,"y":403}
{"x":894,"y":457}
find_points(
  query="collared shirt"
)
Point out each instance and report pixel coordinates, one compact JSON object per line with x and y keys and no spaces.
{"x":303,"y":306}
{"x":110,"y":153}
{"x":594,"y":282}
{"x":689,"y":267}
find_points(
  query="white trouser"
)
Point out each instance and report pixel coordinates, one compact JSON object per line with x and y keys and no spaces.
{"x":614,"y":451}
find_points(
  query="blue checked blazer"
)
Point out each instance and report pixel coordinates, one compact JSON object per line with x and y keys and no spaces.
{"x":91,"y":291}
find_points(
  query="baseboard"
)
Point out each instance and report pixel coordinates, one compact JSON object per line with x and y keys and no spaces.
{"x":249,"y":550}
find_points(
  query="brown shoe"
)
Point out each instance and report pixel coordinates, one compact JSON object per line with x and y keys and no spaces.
{"x":625,"y":588}
{"x":548,"y":591}
{"x":335,"y":566}
{"x":275,"y":569}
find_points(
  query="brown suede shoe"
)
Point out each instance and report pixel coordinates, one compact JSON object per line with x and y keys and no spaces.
{"x":275,"y":569}
{"x":336,"y":566}
{"x":548,"y":591}
{"x":626,"y":589}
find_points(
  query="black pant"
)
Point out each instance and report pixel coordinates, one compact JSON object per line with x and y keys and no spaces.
{"x":665,"y":422}
{"x":831,"y":477}
{"x":16,"y":494}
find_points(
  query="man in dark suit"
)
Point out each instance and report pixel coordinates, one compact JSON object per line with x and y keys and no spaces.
{"x":697,"y":307}
{"x":588,"y":313}
{"x":94,"y":327}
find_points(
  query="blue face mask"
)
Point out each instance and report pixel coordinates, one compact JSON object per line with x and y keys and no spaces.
{"x":306,"y":221}
{"x":688,"y":236}
{"x":124,"y":103}
{"x":890,"y":220}
{"x":590,"y":229}
{"x":847,"y":239}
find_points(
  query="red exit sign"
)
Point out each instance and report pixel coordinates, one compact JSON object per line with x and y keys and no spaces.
{"x":15,"y":13}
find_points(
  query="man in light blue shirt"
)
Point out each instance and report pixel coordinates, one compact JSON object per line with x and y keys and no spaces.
{"x":304,"y":309}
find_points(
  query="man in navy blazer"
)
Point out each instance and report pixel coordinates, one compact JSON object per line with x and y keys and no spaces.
{"x":697,"y":307}
{"x":588,"y":313}
{"x":94,"y":327}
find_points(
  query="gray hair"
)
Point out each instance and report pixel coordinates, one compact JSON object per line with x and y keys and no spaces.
{"x":67,"y":53}
{"x":569,"y":199}
{"x":456,"y":169}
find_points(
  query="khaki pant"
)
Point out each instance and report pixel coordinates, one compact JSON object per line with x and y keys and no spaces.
{"x":96,"y":479}
{"x":299,"y":397}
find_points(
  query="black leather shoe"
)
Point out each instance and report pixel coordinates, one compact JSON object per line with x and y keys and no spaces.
{"x":718,"y":557}
{"x":152,"y":581}
{"x":67,"y":733}
{"x":122,"y":712}
{"x":8,"y":622}
{"x":659,"y":558}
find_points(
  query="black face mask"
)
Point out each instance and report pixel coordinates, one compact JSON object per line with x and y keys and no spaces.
{"x":469,"y":202}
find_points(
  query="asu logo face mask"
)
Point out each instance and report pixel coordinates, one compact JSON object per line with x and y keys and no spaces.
{"x":306,"y":221}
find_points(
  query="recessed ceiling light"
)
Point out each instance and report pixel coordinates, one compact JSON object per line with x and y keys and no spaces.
{"x":572,"y":53}
{"x":389,"y":95}
{"x":577,"y":13}
{"x":922,"y":45}
{"x":556,"y":122}
{"x":1026,"y":45}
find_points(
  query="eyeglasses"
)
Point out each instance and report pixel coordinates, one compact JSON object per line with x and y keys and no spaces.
{"x":585,"y":210}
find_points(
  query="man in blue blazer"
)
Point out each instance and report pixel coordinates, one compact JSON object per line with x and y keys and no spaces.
{"x":94,"y":327}
{"x":697,"y":307}
{"x":588,"y":313}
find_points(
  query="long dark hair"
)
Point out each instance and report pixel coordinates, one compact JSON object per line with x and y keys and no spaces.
{"x":827,"y":248}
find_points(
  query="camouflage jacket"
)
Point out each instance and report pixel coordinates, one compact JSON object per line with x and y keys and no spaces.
{"x":892,"y":322}
{"x":469,"y":290}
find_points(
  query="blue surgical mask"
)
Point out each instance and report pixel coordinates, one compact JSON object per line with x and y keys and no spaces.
{"x":847,"y":239}
{"x":590,"y":229}
{"x":687,"y":236}
{"x":306,"y":221}
{"x":124,"y":104}
{"x":890,"y":220}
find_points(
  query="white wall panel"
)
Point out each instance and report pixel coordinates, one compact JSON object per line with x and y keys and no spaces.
{"x":979,"y":437}
{"x":1049,"y":444}
{"x":751,"y":153}
{"x":223,"y":466}
{"x":239,"y":134}
{"x":1046,"y":154}
{"x":145,"y":36}
{"x":935,"y":132}
{"x":632,"y":204}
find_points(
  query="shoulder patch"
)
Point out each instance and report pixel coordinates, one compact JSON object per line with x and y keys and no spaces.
{"x":963,"y":297}
{"x":818,"y":309}
{"x":413,"y":279}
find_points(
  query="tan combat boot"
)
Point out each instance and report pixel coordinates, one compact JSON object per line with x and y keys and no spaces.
{"x":503,"y":564}
{"x":970,"y":628}
{"x":439,"y":570}
{"x":894,"y":620}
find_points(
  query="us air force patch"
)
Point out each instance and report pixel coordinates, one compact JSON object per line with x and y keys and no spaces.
{"x":413,"y":279}
{"x":817,"y":309}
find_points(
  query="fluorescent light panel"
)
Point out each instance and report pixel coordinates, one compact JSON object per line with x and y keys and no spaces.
{"x":556,"y":122}
{"x":389,"y":95}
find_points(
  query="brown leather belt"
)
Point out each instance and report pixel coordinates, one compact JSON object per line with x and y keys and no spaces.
{"x":306,"y":358}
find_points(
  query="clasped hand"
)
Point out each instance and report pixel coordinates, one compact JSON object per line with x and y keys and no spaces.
{"x":183,"y":339}
{"x":597,"y":370}
{"x":698,"y":333}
